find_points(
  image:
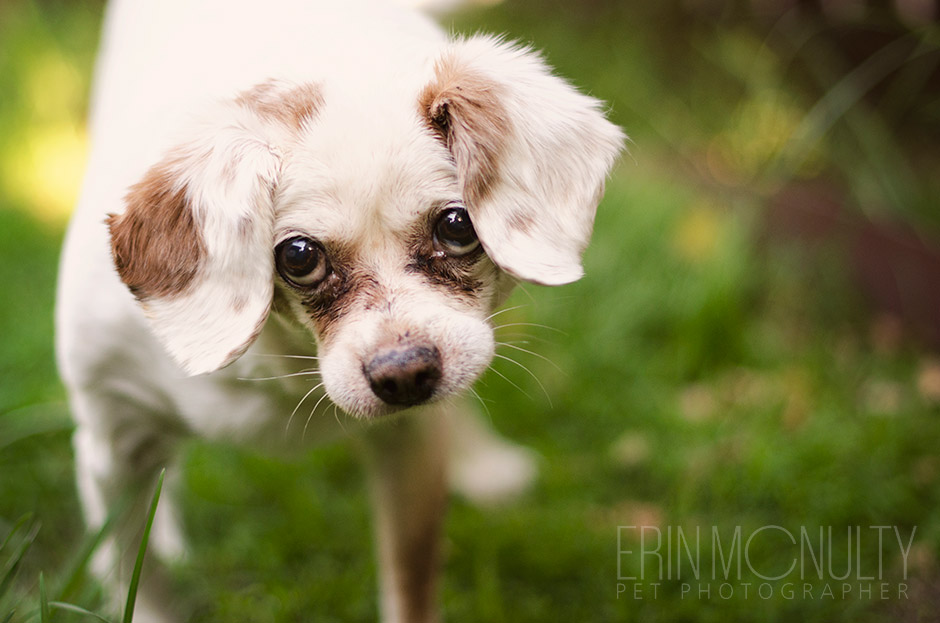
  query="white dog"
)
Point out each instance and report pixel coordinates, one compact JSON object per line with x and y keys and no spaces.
{"x":340,"y":182}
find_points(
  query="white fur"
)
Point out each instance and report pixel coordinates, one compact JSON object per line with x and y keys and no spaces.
{"x":365,"y":172}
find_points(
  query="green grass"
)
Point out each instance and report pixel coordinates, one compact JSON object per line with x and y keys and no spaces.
{"x":697,"y":377}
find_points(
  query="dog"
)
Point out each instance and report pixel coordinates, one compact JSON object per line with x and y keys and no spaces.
{"x":340,"y":186}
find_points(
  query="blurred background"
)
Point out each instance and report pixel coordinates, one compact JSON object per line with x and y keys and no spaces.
{"x":756,"y":342}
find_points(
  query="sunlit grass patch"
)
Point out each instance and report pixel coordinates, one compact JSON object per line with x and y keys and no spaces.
{"x":44,"y":75}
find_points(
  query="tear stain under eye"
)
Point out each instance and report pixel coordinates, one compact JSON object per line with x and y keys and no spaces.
{"x":449,"y":273}
{"x":336,"y":298}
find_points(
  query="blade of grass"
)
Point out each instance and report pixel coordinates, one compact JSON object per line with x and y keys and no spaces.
{"x":913,"y":78}
{"x":10,"y":568}
{"x":876,"y":145}
{"x":138,"y":566}
{"x":39,"y":419}
{"x":44,"y":614}
{"x":836,"y":102}
{"x":16,"y":528}
{"x":73,"y":577}
{"x":58,"y":605}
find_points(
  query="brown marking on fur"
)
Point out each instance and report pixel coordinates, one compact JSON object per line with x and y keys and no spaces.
{"x":239,"y":303}
{"x":521,"y":221}
{"x":229,"y":171}
{"x":292,"y":107}
{"x":246,"y":227}
{"x":156,"y":246}
{"x":464,"y":108}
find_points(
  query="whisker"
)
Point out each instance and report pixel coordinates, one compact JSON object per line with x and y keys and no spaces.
{"x":294,"y":412}
{"x":486,"y":409}
{"x":506,"y":378}
{"x":532,"y":374}
{"x":518,"y":336}
{"x":312,"y":411}
{"x":336,"y":417}
{"x":507,"y":342}
{"x":525,"y":291}
{"x":533,"y":353}
{"x":503,"y":311}
{"x":285,"y":356}
{"x":309,"y":372}
{"x":529,"y":324}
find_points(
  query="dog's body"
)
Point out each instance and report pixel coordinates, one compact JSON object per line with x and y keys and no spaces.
{"x":298,"y":179}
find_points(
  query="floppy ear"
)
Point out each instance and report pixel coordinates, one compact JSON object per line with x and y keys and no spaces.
{"x":194,"y":244}
{"x":532,"y":155}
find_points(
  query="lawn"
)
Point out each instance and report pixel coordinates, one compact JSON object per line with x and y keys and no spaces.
{"x":730,"y":426}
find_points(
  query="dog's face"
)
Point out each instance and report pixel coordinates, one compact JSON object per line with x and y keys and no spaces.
{"x":390,"y":237}
{"x":375,"y":252}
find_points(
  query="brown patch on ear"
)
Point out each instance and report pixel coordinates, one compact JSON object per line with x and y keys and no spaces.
{"x":521,"y":221}
{"x":291,"y":108}
{"x":155,"y":244}
{"x":465,"y":109}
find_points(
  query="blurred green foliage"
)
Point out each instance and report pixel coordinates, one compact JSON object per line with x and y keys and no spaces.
{"x":704,"y":373}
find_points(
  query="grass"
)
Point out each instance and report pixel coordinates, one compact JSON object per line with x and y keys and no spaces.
{"x":699,"y":376}
{"x":16,"y":545}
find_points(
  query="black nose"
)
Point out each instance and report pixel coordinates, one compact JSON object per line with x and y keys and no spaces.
{"x":404,"y":376}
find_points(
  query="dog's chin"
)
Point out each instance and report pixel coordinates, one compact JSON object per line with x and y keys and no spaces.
{"x":364,"y":405}
{"x":380,"y":411}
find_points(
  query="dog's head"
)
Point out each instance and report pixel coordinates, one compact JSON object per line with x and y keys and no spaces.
{"x":391,"y":235}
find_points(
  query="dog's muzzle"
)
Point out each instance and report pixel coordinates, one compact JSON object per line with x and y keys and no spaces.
{"x":404,"y":376}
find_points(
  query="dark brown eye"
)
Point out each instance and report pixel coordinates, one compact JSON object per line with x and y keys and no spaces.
{"x":454,"y":233}
{"x":301,"y":261}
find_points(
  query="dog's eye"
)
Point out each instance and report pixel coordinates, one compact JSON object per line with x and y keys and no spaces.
{"x":301,"y":261}
{"x":454,"y":233}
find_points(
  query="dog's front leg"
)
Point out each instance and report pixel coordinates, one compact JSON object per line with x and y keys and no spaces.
{"x":405,"y":461}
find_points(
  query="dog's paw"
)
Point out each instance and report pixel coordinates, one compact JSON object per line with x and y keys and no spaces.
{"x":493,"y":471}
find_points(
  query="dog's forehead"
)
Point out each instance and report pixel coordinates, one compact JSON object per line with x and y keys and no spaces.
{"x":347,"y":184}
